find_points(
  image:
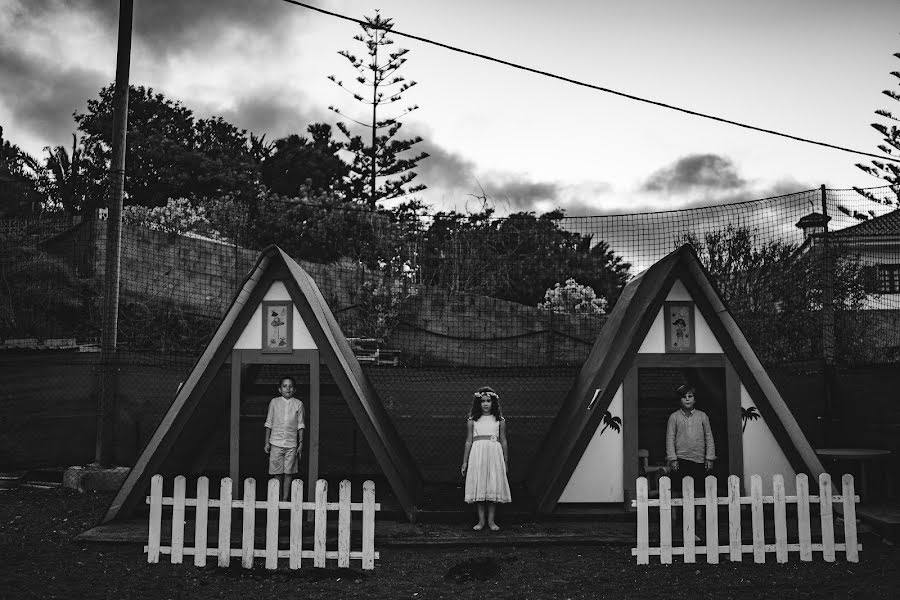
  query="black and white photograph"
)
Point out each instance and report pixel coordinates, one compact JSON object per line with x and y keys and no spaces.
{"x":343,"y":299}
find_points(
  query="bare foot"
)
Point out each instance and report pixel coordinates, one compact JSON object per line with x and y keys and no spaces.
{"x":478,"y":527}
{"x":494,"y":527}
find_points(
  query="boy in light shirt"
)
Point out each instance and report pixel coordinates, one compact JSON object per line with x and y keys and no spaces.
{"x":284,"y":434}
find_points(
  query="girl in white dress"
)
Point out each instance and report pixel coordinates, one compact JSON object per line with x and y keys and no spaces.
{"x":485,"y":462}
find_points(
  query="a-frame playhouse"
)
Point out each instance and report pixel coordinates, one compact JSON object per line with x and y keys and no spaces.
{"x":670,"y":326}
{"x":279,"y":317}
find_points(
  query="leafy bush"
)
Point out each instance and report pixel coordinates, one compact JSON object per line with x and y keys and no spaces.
{"x":574,"y":298}
{"x":177,"y":216}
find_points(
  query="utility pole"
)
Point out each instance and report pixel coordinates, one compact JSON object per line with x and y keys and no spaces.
{"x":828,"y":345}
{"x":106,"y":411}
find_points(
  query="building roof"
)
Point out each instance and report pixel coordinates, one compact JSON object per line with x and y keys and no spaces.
{"x":187,"y":420}
{"x":886,"y":224}
{"x":614,"y":352}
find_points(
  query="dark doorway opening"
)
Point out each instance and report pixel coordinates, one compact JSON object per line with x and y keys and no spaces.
{"x":656,"y":401}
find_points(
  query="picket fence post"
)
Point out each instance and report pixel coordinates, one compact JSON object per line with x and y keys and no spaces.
{"x":272,"y":505}
{"x":712,"y":521}
{"x":687,"y":517}
{"x":273,"y":496}
{"x":643,"y":522}
{"x":296,"y":543}
{"x":735,"y":551}
{"x":669,"y":507}
{"x":225,"y":491}
{"x":202,"y":520}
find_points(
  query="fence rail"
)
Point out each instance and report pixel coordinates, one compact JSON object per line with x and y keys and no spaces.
{"x":735,"y":547}
{"x":248,"y":505}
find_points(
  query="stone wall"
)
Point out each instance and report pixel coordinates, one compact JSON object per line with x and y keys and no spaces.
{"x":436,"y":327}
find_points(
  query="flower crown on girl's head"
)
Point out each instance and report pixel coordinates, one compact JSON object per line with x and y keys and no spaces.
{"x":487,"y":394}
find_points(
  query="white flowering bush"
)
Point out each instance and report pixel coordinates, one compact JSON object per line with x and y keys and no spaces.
{"x":574,"y":298}
{"x":177,"y":216}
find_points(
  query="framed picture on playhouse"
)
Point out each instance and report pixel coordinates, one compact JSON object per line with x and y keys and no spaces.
{"x":679,"y":323}
{"x":277,"y":326}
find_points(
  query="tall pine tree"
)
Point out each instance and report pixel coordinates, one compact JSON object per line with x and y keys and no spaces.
{"x":378,"y":171}
{"x":889,"y":171}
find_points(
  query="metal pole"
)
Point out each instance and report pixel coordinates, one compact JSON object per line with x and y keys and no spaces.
{"x":107,"y":406}
{"x":828,"y":378}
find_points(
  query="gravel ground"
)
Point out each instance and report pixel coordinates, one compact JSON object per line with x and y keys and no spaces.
{"x":40,"y":558}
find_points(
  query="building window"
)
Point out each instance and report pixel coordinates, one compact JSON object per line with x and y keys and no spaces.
{"x":889,"y":279}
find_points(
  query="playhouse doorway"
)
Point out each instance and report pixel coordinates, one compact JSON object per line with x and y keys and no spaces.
{"x":258,"y":386}
{"x":656,"y":401}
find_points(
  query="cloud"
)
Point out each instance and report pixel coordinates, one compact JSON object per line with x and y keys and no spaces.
{"x":457,"y":179}
{"x":167,"y":26}
{"x":688,"y":173}
{"x":42,"y":95}
{"x":443,"y":168}
{"x":273,"y":113}
{"x":521,"y":194}
{"x":45,"y":45}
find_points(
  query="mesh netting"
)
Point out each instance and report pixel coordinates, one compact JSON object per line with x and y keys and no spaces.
{"x":434,"y":305}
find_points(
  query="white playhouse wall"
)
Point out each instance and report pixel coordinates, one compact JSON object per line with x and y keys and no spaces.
{"x":598,"y":476}
{"x":251,"y":337}
{"x":762,"y":454}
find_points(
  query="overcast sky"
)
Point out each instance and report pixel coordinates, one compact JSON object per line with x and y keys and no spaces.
{"x":811,"y":68}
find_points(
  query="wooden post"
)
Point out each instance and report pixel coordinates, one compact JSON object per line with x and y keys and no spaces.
{"x":156,"y":488}
{"x":320,"y":527}
{"x":827,"y":516}
{"x":273,"y":496}
{"x":344,"y":525}
{"x":780,"y":512}
{"x":225,"y":494}
{"x":249,"y":530}
{"x":368,"y":532}
{"x":200,"y":526}
{"x":850,"y":544}
{"x":758,"y":524}
{"x":687,"y":524}
{"x":234,"y":421}
{"x":803,"y":525}
{"x":296,"y":524}
{"x":665,"y":521}
{"x":643,"y":522}
{"x":828,"y":345}
{"x":314,"y":406}
{"x":734,"y":518}
{"x":178,"y":522}
{"x":105,"y":441}
{"x":712,"y":520}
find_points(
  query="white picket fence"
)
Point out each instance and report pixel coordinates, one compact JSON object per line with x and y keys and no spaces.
{"x":272,"y":505}
{"x":735,"y":548}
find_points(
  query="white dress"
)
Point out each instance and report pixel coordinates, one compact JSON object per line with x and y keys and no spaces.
{"x":486,"y":473}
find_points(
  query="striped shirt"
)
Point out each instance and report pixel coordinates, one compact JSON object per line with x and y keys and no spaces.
{"x":689,"y":437}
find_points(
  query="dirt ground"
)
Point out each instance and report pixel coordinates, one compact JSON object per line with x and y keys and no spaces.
{"x":39,"y":558}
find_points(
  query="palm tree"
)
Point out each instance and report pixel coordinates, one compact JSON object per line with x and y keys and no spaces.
{"x":611,"y":421}
{"x":68,"y":185}
{"x":748,"y":414}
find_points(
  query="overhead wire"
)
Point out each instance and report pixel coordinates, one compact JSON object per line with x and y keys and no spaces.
{"x":592,"y":86}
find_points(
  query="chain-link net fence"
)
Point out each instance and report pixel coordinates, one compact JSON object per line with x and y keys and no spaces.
{"x":434,"y":305}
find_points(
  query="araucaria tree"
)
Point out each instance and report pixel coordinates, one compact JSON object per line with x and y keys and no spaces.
{"x":378,"y":171}
{"x":887,"y":170}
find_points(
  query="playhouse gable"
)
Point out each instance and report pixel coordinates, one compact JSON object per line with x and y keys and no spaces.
{"x":669,"y":325}
{"x":278,"y":316}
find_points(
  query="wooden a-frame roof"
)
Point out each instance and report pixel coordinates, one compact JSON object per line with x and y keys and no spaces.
{"x":613,"y":353}
{"x":274,"y":264}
